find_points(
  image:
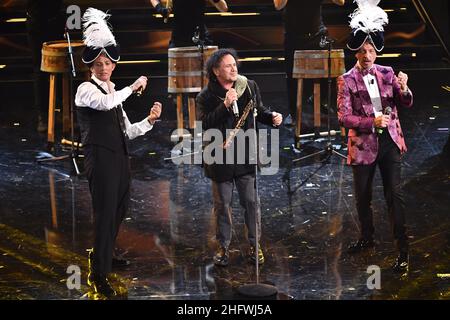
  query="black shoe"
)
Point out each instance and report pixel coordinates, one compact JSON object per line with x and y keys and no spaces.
{"x":401,"y":264}
{"x":101,"y":285}
{"x":221,"y":257}
{"x":251,"y":254}
{"x":120,"y":262}
{"x":361,"y":245}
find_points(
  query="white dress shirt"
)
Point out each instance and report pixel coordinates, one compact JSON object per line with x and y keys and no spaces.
{"x":88,"y":95}
{"x":374,"y":93}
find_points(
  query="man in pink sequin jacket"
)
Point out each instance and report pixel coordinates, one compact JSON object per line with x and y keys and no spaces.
{"x":368,"y":99}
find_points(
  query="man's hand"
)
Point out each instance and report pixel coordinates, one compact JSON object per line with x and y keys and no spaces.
{"x":155,"y":112}
{"x":230,"y":97}
{"x":141,"y":82}
{"x":381,"y":121}
{"x":402,"y":79}
{"x":277,"y":118}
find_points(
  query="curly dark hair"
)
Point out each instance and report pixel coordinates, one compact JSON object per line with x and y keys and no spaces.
{"x":215,"y":59}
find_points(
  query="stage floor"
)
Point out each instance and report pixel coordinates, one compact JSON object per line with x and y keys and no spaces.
{"x":308,"y":215}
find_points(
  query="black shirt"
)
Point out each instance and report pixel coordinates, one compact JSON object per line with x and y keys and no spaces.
{"x":214,"y":114}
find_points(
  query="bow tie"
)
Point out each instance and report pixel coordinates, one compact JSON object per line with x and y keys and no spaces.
{"x":365,"y":72}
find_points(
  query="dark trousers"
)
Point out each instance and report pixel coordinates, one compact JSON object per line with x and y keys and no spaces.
{"x":389,"y":162}
{"x":222,"y":199}
{"x":108,"y":173}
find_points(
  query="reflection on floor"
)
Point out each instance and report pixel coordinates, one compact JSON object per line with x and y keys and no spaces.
{"x":308,"y":217}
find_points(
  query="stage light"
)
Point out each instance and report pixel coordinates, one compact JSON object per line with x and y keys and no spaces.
{"x":389,"y":55}
{"x":393,"y":10}
{"x":397,"y":55}
{"x":157,"y":15}
{"x":231,"y":14}
{"x":138,"y":61}
{"x":260,"y":59}
{"x":15,"y":20}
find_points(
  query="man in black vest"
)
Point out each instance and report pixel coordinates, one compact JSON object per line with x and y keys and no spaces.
{"x":105,"y":129}
{"x":215,"y":102}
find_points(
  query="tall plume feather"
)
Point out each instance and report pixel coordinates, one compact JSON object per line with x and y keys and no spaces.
{"x":368,"y":17}
{"x":97,"y":33}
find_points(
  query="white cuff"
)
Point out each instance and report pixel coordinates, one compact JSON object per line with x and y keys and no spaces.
{"x":128,"y":90}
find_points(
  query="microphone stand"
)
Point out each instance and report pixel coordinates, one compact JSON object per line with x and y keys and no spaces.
{"x":200,"y":42}
{"x":73,"y":155}
{"x":257,"y":289}
{"x":329,"y":148}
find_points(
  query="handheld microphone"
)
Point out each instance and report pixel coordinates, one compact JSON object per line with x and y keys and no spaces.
{"x":235,"y":109}
{"x":387,"y":112}
{"x":139,"y":91}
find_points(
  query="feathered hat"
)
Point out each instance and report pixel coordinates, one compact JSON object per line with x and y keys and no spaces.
{"x":98,"y":37}
{"x":367,"y":23}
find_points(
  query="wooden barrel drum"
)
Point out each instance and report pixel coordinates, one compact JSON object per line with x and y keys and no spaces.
{"x":313,"y":64}
{"x":185,"y":69}
{"x":56,"y":59}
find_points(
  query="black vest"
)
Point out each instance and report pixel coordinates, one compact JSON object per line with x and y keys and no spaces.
{"x":103,"y":128}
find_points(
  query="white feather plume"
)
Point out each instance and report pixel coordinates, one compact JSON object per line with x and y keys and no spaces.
{"x":368,"y":17}
{"x":97,"y":33}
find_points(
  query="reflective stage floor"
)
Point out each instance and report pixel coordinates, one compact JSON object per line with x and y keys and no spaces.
{"x":308,"y":215}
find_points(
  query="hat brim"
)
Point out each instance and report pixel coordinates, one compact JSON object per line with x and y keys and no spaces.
{"x":90,"y":54}
{"x":357,"y":40}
